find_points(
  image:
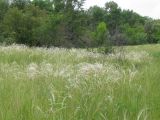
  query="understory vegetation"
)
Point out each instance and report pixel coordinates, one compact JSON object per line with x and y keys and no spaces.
{"x":76,"y":84}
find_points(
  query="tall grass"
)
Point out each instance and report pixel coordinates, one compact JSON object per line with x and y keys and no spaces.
{"x":74,"y":84}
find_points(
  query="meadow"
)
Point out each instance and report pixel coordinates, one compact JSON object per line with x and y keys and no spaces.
{"x":77,"y":84}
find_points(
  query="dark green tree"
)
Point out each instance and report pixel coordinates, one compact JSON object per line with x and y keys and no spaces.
{"x":96,"y":15}
{"x":22,"y":25}
{"x":150,"y":29}
{"x":20,"y":4}
{"x":4,"y":5}
{"x":71,"y":24}
{"x":113,"y":17}
{"x":44,"y":4}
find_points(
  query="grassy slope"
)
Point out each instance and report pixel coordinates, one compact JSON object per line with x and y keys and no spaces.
{"x":50,"y":93}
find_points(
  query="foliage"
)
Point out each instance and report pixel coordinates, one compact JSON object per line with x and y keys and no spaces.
{"x":150,"y":30}
{"x":134,"y":35}
{"x":20,"y":4}
{"x":24,"y":25}
{"x":101,"y":34}
{"x":96,"y":15}
{"x":113,"y":17}
{"x":64,"y":23}
{"x":44,"y":4}
{"x":157,"y":30}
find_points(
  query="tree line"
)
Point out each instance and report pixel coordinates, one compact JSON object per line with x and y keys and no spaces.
{"x":65,"y":23}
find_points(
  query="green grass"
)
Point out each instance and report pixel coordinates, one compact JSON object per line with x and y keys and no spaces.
{"x":61,"y":84}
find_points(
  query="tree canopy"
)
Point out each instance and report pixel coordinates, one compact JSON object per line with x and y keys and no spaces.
{"x":65,"y":23}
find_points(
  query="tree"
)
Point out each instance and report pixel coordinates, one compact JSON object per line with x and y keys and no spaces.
{"x":3,"y":8}
{"x":132,"y":18}
{"x":102,"y":38}
{"x":4,"y":5}
{"x":44,"y":4}
{"x":24,"y":25}
{"x":113,"y":17}
{"x":20,"y":4}
{"x":72,"y":22}
{"x":101,"y":34}
{"x":96,"y":15}
{"x":157,"y":30}
{"x":150,"y":30}
{"x":65,"y":23}
{"x":133,"y":35}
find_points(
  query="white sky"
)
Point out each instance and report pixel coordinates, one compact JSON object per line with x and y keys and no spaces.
{"x":149,"y":8}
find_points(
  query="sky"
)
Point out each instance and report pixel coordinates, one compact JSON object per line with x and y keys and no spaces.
{"x":149,"y":8}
